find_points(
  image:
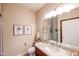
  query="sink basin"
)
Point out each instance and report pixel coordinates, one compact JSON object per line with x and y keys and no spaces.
{"x":55,"y":51}
{"x":52,"y":51}
{"x":47,"y":49}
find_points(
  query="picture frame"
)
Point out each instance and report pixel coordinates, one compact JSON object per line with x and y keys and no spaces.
{"x":27,"y":30}
{"x":17,"y":30}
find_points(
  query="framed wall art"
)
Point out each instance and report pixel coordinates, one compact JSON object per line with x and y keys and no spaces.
{"x":17,"y":30}
{"x":27,"y":29}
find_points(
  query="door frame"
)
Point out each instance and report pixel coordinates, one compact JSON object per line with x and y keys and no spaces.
{"x":61,"y":26}
{"x":1,"y":27}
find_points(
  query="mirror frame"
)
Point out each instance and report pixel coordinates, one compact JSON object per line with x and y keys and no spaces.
{"x":61,"y":26}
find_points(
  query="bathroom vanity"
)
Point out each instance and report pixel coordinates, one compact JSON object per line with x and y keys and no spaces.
{"x":46,"y":49}
{"x":69,"y":38}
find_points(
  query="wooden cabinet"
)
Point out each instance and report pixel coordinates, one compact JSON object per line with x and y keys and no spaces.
{"x":38,"y":52}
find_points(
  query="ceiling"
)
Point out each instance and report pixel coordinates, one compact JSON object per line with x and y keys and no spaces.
{"x":33,"y":6}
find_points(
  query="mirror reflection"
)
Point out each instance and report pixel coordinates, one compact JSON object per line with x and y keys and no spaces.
{"x":50,"y":29}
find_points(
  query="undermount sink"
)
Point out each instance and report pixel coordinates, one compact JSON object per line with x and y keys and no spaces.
{"x":56,"y":51}
{"x":46,"y":48}
{"x":53,"y":51}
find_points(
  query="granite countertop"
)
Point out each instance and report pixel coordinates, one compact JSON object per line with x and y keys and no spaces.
{"x":52,"y":50}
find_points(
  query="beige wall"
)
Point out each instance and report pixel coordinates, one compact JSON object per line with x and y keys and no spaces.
{"x":15,"y":14}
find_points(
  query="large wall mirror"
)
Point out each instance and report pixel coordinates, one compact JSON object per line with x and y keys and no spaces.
{"x":50,"y":29}
{"x":70,"y":31}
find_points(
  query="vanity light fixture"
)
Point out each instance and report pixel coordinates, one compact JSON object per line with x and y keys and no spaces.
{"x":67,"y":7}
{"x":52,"y":13}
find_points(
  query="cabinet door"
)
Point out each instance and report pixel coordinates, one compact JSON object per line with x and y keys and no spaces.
{"x":38,"y":52}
